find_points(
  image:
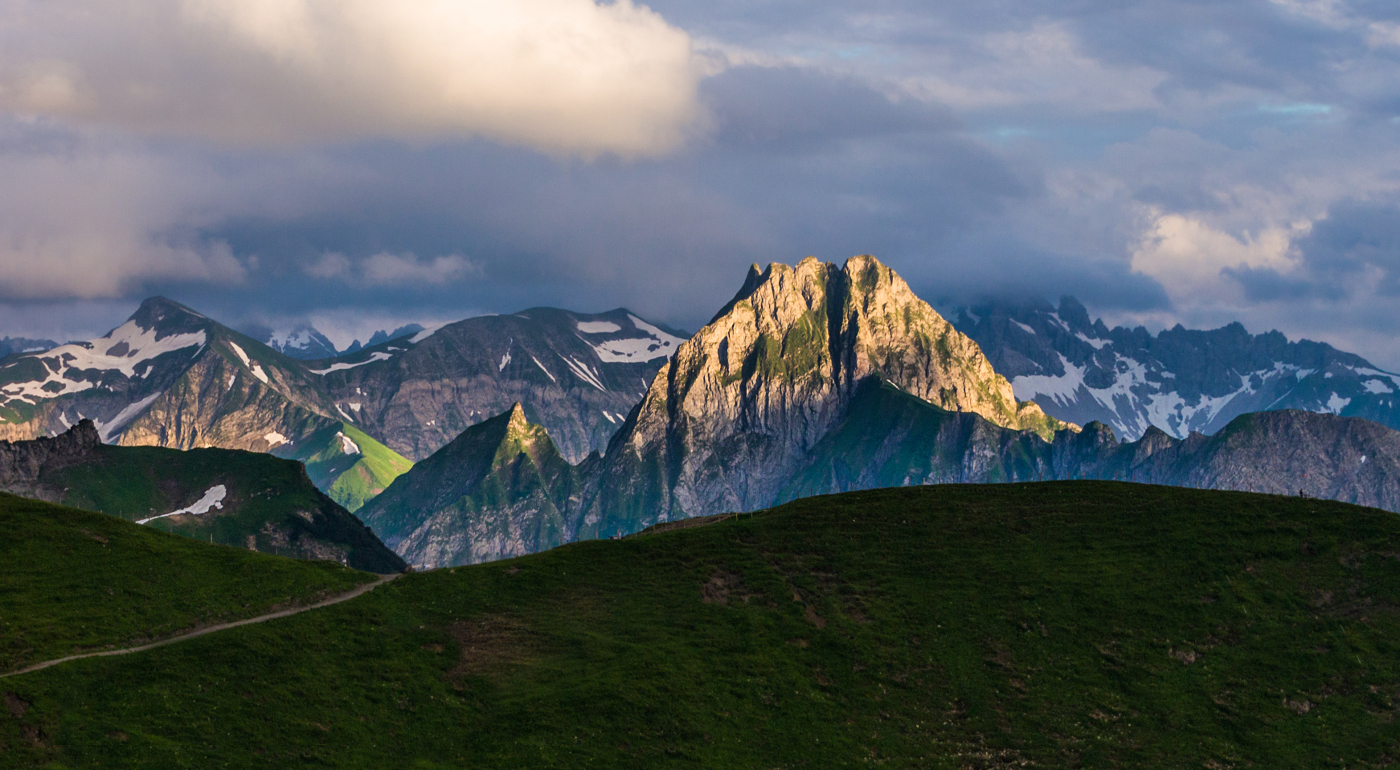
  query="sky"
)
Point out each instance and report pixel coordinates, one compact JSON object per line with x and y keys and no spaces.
{"x":361,"y":164}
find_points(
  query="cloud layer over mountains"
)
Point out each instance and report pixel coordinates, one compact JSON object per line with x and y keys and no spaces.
{"x":1170,"y":161}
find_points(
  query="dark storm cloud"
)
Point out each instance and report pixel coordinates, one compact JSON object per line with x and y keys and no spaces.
{"x":1357,"y":236}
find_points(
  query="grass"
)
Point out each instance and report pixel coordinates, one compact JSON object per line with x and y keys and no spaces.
{"x":351,"y":480}
{"x":1070,"y":624}
{"x":270,"y":502}
{"x":73,"y":581}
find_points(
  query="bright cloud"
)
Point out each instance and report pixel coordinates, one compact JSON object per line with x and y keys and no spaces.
{"x":385,"y":269}
{"x":97,"y":224}
{"x":1186,"y":256}
{"x":566,"y":76}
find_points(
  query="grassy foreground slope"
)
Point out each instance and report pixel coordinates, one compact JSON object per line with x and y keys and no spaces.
{"x":74,"y":581}
{"x":1070,"y":624}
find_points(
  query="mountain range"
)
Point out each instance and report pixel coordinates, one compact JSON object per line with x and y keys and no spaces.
{"x":1178,"y":380}
{"x":172,"y":377}
{"x":305,"y":342}
{"x":541,"y":427}
{"x":818,"y":379}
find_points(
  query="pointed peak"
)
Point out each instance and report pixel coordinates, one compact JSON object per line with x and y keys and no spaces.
{"x":168,"y":316}
{"x":517,"y":421}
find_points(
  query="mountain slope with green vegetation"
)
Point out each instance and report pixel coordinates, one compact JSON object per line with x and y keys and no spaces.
{"x":73,"y":581}
{"x":1068,"y":624}
{"x":224,"y":496}
{"x":347,"y":464}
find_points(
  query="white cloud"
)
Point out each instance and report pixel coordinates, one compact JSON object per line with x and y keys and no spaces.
{"x":1187,"y":255}
{"x":385,"y":269}
{"x":567,"y":76}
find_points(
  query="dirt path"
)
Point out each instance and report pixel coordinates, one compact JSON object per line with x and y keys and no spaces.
{"x":345,"y":597}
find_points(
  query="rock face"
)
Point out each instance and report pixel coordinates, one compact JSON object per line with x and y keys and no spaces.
{"x":892,"y":439}
{"x":576,"y":374}
{"x":734,"y":414}
{"x":23,"y":462}
{"x":242,"y":499}
{"x":1179,"y":380}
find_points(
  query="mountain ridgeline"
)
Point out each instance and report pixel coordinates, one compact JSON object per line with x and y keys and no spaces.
{"x":171,"y":377}
{"x":1179,"y":380}
{"x":818,"y":379}
{"x":723,"y":426}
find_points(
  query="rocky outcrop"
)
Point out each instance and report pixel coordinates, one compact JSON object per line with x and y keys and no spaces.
{"x":22,"y":463}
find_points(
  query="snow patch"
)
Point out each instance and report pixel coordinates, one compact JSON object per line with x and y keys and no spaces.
{"x":426,"y":333}
{"x":347,"y":444}
{"x":656,"y":344}
{"x":505,"y":359}
{"x":1336,"y":404}
{"x":109,"y":429}
{"x":377,"y":355}
{"x":1027,"y":329}
{"x":121,"y":350}
{"x":1377,"y":386}
{"x":541,"y":366}
{"x":609,"y":417}
{"x":598,"y":327}
{"x":252,"y":365}
{"x":275,"y":439}
{"x":1098,"y":344}
{"x":214,"y":498}
{"x":584,"y":373}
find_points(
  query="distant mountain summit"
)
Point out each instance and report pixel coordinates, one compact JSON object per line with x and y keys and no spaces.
{"x":1179,"y":380}
{"x":9,"y":345}
{"x":578,"y":374}
{"x":302,"y":341}
{"x":406,"y":330}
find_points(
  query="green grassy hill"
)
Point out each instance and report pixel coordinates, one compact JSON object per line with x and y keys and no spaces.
{"x":1070,"y":624}
{"x":74,"y":581}
{"x":349,"y":472}
{"x":268,"y":505}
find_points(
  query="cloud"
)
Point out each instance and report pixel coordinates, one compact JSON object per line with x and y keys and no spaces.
{"x":84,"y":222}
{"x":1187,"y":255}
{"x":563,"y":76}
{"x":385,"y":269}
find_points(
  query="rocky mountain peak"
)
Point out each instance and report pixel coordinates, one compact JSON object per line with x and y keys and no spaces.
{"x":167,"y":317}
{"x":753,"y":391}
